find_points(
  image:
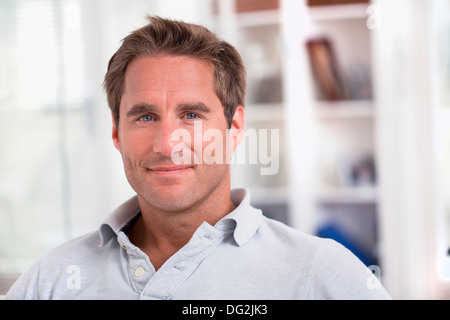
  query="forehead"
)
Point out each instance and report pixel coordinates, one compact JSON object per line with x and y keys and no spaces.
{"x":169,"y":81}
{"x":168,"y":72}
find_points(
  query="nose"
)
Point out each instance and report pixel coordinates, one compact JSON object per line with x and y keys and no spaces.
{"x":162,"y":140}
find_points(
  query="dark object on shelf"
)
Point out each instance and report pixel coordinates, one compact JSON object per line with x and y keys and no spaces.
{"x":325,"y":68}
{"x":357,"y":171}
{"x":331,"y":231}
{"x":269,"y":90}
{"x":256,"y":5}
{"x":312,"y":3}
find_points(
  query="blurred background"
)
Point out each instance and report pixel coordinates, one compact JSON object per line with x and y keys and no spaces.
{"x":359,"y":91}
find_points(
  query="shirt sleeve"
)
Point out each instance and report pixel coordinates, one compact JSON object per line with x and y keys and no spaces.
{"x":339,"y":274}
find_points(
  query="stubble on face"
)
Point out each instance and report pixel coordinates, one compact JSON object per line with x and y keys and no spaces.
{"x":167,"y":82}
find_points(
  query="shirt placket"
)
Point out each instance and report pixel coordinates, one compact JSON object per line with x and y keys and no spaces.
{"x":180,"y":266}
{"x":138,"y":266}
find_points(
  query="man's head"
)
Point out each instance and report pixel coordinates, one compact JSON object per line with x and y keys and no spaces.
{"x":169,"y":37}
{"x":172,"y":80}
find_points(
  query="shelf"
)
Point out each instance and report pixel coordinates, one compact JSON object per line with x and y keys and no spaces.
{"x":264,"y":112}
{"x":258,"y":18}
{"x":347,"y":195}
{"x":339,"y":12}
{"x":344,"y":109}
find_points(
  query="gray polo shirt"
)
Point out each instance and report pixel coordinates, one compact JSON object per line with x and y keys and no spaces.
{"x":244,"y":256}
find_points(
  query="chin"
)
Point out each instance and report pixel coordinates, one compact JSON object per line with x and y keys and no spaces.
{"x":171,"y":199}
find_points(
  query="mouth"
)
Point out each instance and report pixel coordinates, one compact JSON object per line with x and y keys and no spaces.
{"x":172,"y":170}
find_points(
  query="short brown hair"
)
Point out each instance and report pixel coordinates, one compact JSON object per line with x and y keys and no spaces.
{"x":165,"y":36}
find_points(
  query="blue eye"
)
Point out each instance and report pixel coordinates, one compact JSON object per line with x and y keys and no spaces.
{"x":191,"y":116}
{"x":146,"y":118}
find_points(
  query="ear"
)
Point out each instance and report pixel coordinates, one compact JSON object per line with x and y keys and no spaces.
{"x":237,"y":128}
{"x":115,"y":134}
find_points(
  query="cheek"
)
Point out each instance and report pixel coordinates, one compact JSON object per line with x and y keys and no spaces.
{"x":135,"y":145}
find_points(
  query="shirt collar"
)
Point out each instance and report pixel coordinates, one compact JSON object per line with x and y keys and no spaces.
{"x":118,"y":219}
{"x":246,"y":218}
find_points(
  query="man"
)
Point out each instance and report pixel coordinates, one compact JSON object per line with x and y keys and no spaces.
{"x":186,"y":235}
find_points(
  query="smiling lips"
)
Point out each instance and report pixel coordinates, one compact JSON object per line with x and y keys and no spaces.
{"x":170,"y":170}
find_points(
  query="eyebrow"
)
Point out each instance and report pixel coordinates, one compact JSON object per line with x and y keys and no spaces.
{"x":142,"y":108}
{"x":198,"y":106}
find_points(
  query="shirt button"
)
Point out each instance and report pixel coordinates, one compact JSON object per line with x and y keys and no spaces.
{"x":139,"y":272}
{"x":123,"y":245}
{"x":180,"y":268}
{"x":207,"y":236}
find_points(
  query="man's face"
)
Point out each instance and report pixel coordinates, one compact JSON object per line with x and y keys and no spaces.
{"x":167,"y":94}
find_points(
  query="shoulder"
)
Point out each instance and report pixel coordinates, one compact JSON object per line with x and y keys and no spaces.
{"x":291,"y":250}
{"x":297,"y":241}
{"x":334,"y":271}
{"x":54,"y":268}
{"x":81,"y":248}
{"x":301,"y":245}
{"x":50,"y":276}
{"x":280,"y":234}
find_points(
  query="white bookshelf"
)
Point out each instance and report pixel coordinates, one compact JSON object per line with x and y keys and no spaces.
{"x":397,"y":212}
{"x":347,"y":195}
{"x":338,"y":12}
{"x":344,"y":109}
{"x":258,"y":18}
{"x":326,"y":136}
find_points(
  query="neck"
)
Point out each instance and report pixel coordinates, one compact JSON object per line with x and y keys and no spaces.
{"x":160,"y":233}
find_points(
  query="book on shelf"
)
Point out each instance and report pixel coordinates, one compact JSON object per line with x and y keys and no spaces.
{"x":334,"y":2}
{"x":256,"y":5}
{"x":325,"y":68}
{"x":332,"y":82}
